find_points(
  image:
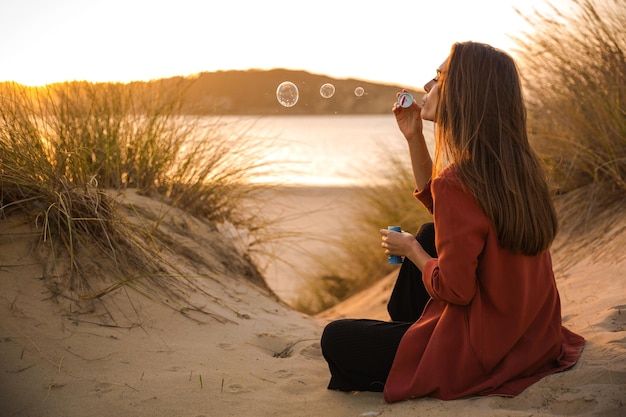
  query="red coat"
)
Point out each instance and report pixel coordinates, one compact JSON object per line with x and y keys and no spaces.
{"x":493,"y":325}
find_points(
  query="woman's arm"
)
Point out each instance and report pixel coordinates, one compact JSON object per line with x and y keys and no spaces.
{"x":461,"y":233}
{"x":410,"y":124}
{"x":461,"y":230}
{"x":421,"y":162}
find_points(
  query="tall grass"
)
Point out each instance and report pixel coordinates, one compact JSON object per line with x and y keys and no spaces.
{"x":359,"y":261}
{"x":574,"y":68}
{"x":68,"y":150}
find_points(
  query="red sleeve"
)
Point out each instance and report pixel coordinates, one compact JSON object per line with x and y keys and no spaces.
{"x":461,"y":230}
{"x":425,"y":196}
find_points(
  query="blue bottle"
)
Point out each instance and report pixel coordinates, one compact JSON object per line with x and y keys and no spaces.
{"x":393,"y":259}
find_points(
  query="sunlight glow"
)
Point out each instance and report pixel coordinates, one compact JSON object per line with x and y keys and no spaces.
{"x":43,"y":42}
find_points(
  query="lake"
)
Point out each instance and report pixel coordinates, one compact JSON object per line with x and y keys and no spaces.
{"x":325,"y":150}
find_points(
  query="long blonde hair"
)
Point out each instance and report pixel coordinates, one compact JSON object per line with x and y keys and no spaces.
{"x":481,"y":131}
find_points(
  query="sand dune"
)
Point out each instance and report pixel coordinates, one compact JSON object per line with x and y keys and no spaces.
{"x":248,"y":354}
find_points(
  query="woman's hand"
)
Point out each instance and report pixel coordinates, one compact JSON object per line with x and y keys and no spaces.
{"x":409,"y":119}
{"x":397,"y":243}
{"x":404,"y":244}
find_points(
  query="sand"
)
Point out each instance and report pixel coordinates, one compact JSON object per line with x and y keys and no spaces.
{"x":250,"y":354}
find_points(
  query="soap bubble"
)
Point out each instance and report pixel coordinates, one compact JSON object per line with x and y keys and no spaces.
{"x":359,"y":91}
{"x":327,"y":90}
{"x":405,"y":100}
{"x":287,"y":94}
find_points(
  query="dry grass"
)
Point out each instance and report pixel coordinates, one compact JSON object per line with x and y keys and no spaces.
{"x":69,"y":151}
{"x":574,"y":67}
{"x":598,"y":234}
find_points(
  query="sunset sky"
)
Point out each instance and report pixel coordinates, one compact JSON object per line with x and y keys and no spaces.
{"x":400,"y":42}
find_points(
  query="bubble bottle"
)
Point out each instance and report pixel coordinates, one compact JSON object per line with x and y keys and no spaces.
{"x":393,"y":259}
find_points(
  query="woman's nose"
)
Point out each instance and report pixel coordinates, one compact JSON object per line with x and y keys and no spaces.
{"x":428,"y":86}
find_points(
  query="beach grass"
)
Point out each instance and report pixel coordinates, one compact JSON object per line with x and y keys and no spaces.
{"x":70,"y":151}
{"x":574,"y":68}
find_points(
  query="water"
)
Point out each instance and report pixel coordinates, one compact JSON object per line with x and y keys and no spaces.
{"x":326,"y":150}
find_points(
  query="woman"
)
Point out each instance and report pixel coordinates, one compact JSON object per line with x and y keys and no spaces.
{"x":475,"y":309}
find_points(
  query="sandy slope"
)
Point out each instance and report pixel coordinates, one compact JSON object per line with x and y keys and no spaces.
{"x":248,"y":354}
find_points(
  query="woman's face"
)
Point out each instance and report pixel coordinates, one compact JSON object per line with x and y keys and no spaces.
{"x":431,"y":98}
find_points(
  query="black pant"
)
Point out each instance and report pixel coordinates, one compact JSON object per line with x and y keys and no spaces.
{"x":360,"y":352}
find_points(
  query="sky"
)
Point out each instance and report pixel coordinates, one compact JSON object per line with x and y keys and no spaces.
{"x":400,"y":42}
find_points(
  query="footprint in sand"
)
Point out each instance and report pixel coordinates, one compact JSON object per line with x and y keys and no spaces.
{"x":225,"y":346}
{"x":236,"y":389}
{"x":312,"y":351}
{"x":615,"y":321}
{"x":103,"y":388}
